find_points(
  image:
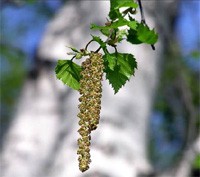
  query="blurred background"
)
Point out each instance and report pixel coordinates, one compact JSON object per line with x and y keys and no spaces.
{"x":150,"y":128}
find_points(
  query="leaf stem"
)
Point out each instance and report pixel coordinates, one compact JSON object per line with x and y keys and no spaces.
{"x":88,"y":44}
{"x":115,"y":47}
{"x":98,"y":50}
{"x":73,"y":58}
{"x":109,"y":37}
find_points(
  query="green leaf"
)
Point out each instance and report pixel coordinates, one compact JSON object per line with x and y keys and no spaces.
{"x":111,"y":61}
{"x":116,"y":79}
{"x":142,"y":34}
{"x":132,"y":37}
{"x":114,"y":25}
{"x":119,"y":68}
{"x":119,"y":23}
{"x":114,"y":14}
{"x":101,"y":43}
{"x":105,"y":32}
{"x":115,"y":5}
{"x":69,"y":73}
{"x":121,"y":35}
{"x":133,"y":24}
{"x":127,"y":64}
{"x":73,"y":49}
{"x":96,"y":27}
{"x":127,"y":3}
{"x":146,"y":35}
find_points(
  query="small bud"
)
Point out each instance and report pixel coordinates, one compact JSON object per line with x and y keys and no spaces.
{"x":78,"y":56}
{"x":108,"y":23}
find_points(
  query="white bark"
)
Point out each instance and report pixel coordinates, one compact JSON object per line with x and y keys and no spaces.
{"x":42,"y":139}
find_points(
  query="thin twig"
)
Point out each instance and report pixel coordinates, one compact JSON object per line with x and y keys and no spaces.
{"x":98,"y":50}
{"x":109,"y":37}
{"x":143,"y":18}
{"x":115,"y":49}
{"x":141,"y":11}
{"x":73,"y":58}
{"x":88,"y":44}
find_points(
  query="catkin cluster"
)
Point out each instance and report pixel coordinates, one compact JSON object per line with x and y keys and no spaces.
{"x":90,"y":105}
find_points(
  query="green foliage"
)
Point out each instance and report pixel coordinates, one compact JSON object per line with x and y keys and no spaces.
{"x":142,"y":35}
{"x":121,"y":35}
{"x":196,"y":163}
{"x":119,"y":67}
{"x":101,"y":43}
{"x":73,"y":49}
{"x":116,"y":79}
{"x":69,"y":73}
{"x":146,"y":35}
{"x":195,"y":54}
{"x":115,"y":25}
{"x":115,"y":5}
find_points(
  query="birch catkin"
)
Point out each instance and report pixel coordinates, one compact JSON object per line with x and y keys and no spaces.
{"x":90,"y":105}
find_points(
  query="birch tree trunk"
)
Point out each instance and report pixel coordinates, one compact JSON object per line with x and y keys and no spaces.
{"x":42,"y":139}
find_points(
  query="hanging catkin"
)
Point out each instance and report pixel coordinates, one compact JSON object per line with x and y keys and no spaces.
{"x":90,"y":105}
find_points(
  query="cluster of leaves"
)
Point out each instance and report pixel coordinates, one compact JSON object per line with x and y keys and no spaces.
{"x":119,"y":67}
